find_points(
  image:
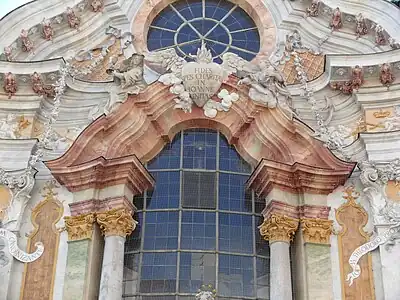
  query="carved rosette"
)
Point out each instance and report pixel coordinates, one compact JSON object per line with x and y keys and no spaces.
{"x":116,"y":222}
{"x":279,"y":228}
{"x":317,"y":231}
{"x":80,"y":227}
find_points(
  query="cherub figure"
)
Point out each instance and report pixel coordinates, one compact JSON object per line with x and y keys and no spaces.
{"x":47,"y":29}
{"x":130,"y":74}
{"x":10,"y":84}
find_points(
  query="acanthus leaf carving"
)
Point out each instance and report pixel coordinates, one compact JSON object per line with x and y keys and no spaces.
{"x":279,"y":228}
{"x":117,"y":222}
{"x":80,"y":227}
{"x":317,"y":231}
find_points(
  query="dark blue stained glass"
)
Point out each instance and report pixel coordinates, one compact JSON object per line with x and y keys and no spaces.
{"x":196,"y":269}
{"x":235,"y":233}
{"x":262,"y":278}
{"x":169,"y":157}
{"x":133,"y":241}
{"x":233,"y":195}
{"x":186,"y":34}
{"x":198,"y":230}
{"x":199,"y":149}
{"x":131,"y":273}
{"x":167,"y":19}
{"x":158,"y":272}
{"x":235,"y":276}
{"x":229,"y":159}
{"x":165,"y":193}
{"x":161,"y":230}
{"x":190,"y":48}
{"x":190,"y":13}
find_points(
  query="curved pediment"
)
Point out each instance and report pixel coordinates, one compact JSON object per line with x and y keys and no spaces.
{"x":146,"y":122}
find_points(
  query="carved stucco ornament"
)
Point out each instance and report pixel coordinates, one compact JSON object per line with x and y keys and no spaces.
{"x":80,"y":227}
{"x":191,"y":81}
{"x":278,"y":228}
{"x":206,"y":292}
{"x":317,"y":231}
{"x":385,"y":211}
{"x":117,"y":222}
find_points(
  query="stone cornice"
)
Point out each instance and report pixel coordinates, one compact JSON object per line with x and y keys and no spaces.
{"x":298,"y":178}
{"x":100,"y":173}
{"x":98,"y":205}
{"x":144,"y":123}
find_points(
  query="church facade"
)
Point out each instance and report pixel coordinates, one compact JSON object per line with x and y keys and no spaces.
{"x":200,"y":149}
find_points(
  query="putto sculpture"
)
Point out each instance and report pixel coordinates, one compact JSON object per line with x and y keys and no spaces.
{"x":361,"y":26}
{"x":27,"y":44}
{"x":97,"y":5}
{"x":206,"y":292}
{"x":386,"y":75}
{"x":73,"y":20}
{"x":47,"y":30}
{"x":10,"y":84}
{"x":336,"y":22}
{"x":199,"y":81}
{"x":312,"y":11}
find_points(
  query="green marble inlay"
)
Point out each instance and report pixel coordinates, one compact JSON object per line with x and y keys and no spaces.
{"x":77,"y":260}
{"x":319,"y":271}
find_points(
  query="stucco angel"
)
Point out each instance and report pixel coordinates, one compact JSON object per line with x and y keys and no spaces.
{"x":130,"y":73}
{"x":266,"y":82}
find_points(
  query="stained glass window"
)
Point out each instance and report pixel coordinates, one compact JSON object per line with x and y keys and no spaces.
{"x":197,"y":225}
{"x":222,"y":25}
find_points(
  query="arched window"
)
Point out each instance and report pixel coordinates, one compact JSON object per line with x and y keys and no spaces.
{"x":222,"y":25}
{"x":198,"y":225}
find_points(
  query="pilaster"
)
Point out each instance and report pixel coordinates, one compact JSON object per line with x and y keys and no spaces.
{"x":295,"y":198}
{"x":103,"y":191}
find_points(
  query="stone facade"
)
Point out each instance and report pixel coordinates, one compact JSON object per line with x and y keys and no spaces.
{"x":83,"y":106}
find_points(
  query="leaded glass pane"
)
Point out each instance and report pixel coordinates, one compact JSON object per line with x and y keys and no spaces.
{"x":169,"y":157}
{"x":199,"y":190}
{"x":233,"y":195}
{"x":235,"y":233}
{"x":199,"y":149}
{"x":235,"y":276}
{"x":196,"y":269}
{"x":131,"y":273}
{"x":133,"y":242}
{"x":229,"y":159}
{"x":198,"y":230}
{"x":165,"y":193}
{"x":262,"y":277}
{"x":161,"y":230}
{"x":158,"y":272}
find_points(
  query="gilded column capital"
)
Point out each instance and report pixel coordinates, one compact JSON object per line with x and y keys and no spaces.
{"x":79,"y":227}
{"x":317,"y":231}
{"x":116,"y":222}
{"x":279,"y":228}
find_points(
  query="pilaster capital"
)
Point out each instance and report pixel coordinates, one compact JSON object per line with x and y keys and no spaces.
{"x":117,"y":221}
{"x":80,"y":227}
{"x":279,"y":228}
{"x":316,"y":230}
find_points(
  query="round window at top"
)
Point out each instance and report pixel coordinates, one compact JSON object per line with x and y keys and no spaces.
{"x":223,"y":27}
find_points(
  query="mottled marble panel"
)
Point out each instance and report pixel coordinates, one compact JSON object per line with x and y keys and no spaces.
{"x":319,"y":273}
{"x":77,"y":263}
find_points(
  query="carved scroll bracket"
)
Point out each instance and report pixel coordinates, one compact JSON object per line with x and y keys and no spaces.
{"x":20,"y":184}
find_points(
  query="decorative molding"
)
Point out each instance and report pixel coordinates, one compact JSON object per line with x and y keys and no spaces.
{"x":317,"y":231}
{"x":352,"y":216}
{"x":278,"y":228}
{"x":39,"y":276}
{"x":80,"y":227}
{"x":116,"y":222}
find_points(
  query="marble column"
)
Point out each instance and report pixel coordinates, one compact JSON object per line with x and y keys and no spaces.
{"x":279,"y":230}
{"x":115,"y":224}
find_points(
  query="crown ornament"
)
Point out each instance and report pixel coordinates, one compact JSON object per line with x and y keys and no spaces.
{"x":381,"y":114}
